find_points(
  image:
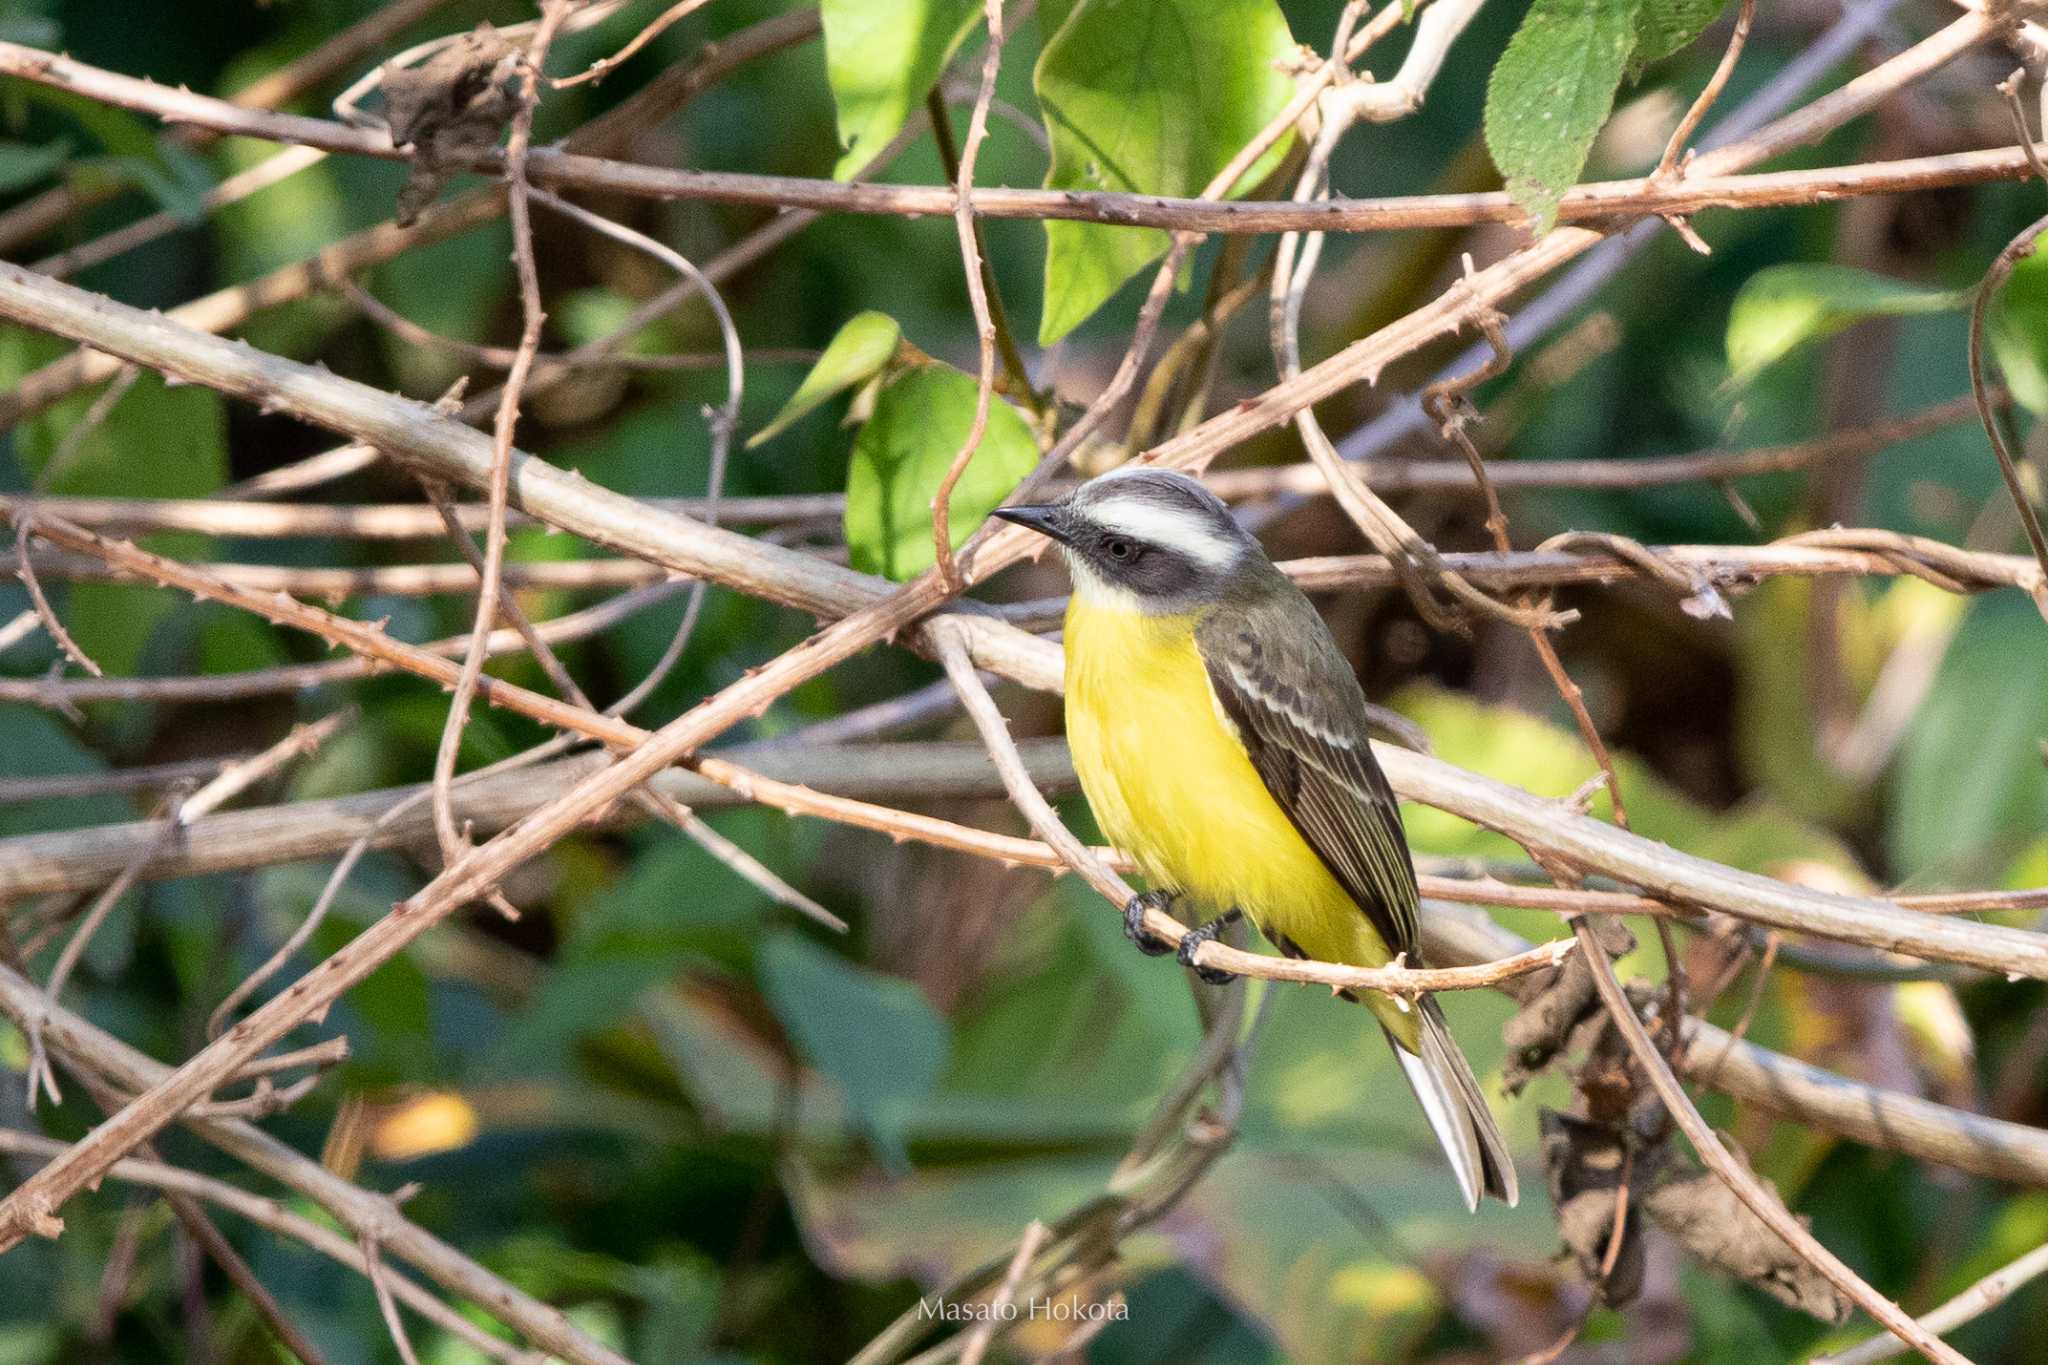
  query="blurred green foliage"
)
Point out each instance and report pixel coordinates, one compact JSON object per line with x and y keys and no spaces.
{"x":711,"y":1134}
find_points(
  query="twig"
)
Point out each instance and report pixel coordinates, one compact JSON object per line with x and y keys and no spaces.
{"x":1716,"y":186}
{"x":2014,"y":251}
{"x":1667,"y":164}
{"x":24,"y":568}
{"x":95,"y":417}
{"x":42,"y":1077}
{"x":228,"y":783}
{"x":353,"y":1206}
{"x":373,"y":1266}
{"x":270,"y":171}
{"x":553,"y":13}
{"x":414,"y":521}
{"x":1017,"y":374}
{"x":1035,"y":1236}
{"x":1979,"y":1299}
{"x":599,"y":69}
{"x":19,"y":629}
{"x":21,"y":790}
{"x":501,"y":357}
{"x":27,"y":221}
{"x":723,"y":423}
{"x":272,"y":1216}
{"x":1386,"y":101}
{"x":217,"y":687}
{"x":320,"y":1055}
{"x":1294,"y":265}
{"x":751,"y":869}
{"x":1737,"y":1176}
{"x":237,"y":777}
{"x":1446,"y":402}
{"x":978,"y":295}
{"x":207,"y":1238}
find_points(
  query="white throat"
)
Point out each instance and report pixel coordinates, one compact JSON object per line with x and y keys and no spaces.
{"x":1096,"y":591}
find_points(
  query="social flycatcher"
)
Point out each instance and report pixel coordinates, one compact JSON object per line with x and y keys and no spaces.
{"x":1220,"y":737}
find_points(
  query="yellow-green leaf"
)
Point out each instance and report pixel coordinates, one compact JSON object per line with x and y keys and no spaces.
{"x":921,"y":420}
{"x":2017,"y":330}
{"x":856,"y":354}
{"x":1787,"y":306}
{"x":1149,"y":97}
{"x":881,"y":56}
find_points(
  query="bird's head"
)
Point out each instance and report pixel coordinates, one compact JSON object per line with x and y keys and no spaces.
{"x":1153,"y":536}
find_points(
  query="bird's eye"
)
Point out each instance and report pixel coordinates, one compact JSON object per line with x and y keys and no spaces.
{"x":1119,"y":549}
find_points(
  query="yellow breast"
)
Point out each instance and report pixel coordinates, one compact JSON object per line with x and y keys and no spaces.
{"x":1171,"y":785}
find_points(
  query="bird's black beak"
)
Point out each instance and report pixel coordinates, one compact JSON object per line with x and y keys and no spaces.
{"x":1049,"y":520}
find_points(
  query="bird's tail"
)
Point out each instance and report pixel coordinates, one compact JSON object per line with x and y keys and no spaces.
{"x":1443,"y":1081}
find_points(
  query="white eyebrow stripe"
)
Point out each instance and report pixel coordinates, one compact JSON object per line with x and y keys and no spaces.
{"x":1142,"y":519}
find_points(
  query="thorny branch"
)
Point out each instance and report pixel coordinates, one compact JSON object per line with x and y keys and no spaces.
{"x":553,"y":13}
{"x":866,"y":612}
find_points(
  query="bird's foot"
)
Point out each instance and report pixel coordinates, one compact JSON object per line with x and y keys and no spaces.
{"x":1195,"y":938}
{"x":1134,"y":922}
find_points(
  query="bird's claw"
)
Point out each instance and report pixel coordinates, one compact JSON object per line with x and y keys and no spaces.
{"x":1192,"y":941}
{"x":1134,"y":922}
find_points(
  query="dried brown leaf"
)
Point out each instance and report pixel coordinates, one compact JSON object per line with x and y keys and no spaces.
{"x":448,"y":109}
{"x":1548,"y":1024}
{"x":1585,"y":1163}
{"x":1699,"y":1209}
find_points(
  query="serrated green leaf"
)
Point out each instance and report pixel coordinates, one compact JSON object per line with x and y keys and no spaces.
{"x":857,"y":353}
{"x":1788,"y":306}
{"x":1667,"y":26}
{"x":1550,"y":93}
{"x":881,"y":57}
{"x":2017,"y":329}
{"x":1149,"y":97}
{"x":921,"y":420}
{"x":876,"y":1035}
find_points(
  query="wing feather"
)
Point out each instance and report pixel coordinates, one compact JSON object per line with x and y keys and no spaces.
{"x":1301,"y":717}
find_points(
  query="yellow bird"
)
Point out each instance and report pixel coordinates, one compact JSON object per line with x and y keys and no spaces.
{"x":1221,"y":739}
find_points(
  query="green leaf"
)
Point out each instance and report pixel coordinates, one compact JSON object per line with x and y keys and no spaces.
{"x":1787,"y":306}
{"x":876,"y":1035}
{"x":920,"y":421}
{"x":22,"y":165}
{"x":856,"y":354}
{"x":37,"y":742}
{"x":2017,"y":329}
{"x":1151,"y":97}
{"x":184,"y":431}
{"x":881,"y":57}
{"x":176,"y":178}
{"x":1971,"y":775}
{"x":1666,"y":26}
{"x":1551,"y":91}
